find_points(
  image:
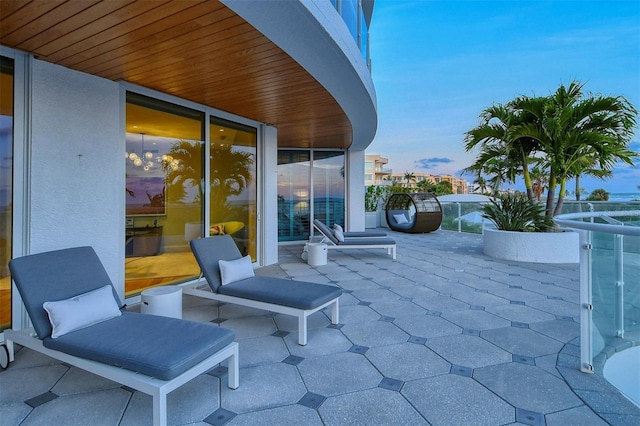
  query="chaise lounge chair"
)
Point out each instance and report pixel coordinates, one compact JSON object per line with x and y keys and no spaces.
{"x":354,"y":243}
{"x":356,"y":234}
{"x":221,"y":261}
{"x":76,"y":317}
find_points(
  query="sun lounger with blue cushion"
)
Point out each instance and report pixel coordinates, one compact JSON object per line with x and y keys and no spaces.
{"x":231,"y":279}
{"x":354,"y":234}
{"x":333,"y":241}
{"x":77,"y":318}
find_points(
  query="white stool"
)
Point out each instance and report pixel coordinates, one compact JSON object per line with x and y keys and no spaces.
{"x":164,"y":301}
{"x":316,"y":254}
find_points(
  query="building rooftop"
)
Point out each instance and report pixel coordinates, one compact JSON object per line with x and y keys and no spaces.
{"x":443,"y":335}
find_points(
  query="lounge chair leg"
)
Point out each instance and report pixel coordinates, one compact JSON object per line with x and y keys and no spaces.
{"x":10,"y":349}
{"x":160,"y":408}
{"x":335,"y":313}
{"x":302,"y":329}
{"x":234,"y":370}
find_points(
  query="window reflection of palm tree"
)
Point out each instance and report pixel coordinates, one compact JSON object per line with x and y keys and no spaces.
{"x":230,"y":173}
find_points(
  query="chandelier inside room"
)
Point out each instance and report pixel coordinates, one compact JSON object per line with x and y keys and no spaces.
{"x":148,"y":160}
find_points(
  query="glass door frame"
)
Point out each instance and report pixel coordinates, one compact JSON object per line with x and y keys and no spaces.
{"x":22,"y":65}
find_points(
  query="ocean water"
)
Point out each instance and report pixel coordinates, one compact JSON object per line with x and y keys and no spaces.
{"x":624,"y":196}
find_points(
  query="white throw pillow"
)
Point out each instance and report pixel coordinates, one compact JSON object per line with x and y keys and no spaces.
{"x":400,"y":219}
{"x":338,"y":234}
{"x":235,"y":270}
{"x":81,"y":311}
{"x":338,"y":227}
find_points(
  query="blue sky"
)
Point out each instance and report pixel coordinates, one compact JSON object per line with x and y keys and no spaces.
{"x":437,"y":64}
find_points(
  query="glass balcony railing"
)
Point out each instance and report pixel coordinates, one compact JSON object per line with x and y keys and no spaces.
{"x":609,"y":295}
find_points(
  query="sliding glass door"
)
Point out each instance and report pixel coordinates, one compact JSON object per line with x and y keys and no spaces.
{"x":6,"y":187}
{"x":164,"y":191}
{"x":309,"y":182}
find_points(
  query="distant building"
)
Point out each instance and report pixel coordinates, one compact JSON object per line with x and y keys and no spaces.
{"x":374,"y":171}
{"x":459,"y":186}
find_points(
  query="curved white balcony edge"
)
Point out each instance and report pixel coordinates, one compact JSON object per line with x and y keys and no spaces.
{"x":314,"y":35}
{"x":568,"y":220}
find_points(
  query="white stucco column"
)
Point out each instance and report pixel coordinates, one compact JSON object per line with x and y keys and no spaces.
{"x":355,"y":191}
{"x":269,"y":194}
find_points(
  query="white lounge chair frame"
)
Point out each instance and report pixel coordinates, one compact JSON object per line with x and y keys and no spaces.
{"x":158,"y":389}
{"x":193,"y":290}
{"x":391,"y":248}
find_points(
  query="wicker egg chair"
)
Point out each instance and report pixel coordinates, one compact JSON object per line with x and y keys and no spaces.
{"x":414,"y":213}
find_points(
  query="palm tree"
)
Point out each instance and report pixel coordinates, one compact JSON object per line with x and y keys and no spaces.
{"x":481,"y":184}
{"x":503,"y":154}
{"x":409,"y":177}
{"x":577,"y":135}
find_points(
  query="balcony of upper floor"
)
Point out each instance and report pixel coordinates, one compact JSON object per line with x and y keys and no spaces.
{"x":290,"y":64}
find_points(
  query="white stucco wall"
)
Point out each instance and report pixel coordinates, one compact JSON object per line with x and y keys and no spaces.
{"x":76,"y":168}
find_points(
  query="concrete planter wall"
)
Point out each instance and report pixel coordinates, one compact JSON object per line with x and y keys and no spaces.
{"x":371,"y":220}
{"x":534,"y":247}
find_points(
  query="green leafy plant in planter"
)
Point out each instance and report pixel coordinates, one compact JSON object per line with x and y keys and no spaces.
{"x":372,"y":196}
{"x":516,"y":212}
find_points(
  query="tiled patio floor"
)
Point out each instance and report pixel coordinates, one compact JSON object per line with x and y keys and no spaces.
{"x":443,"y":335}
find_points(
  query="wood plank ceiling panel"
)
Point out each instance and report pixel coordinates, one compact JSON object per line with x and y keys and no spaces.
{"x":194,"y":49}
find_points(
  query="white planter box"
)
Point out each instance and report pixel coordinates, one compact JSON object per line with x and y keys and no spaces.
{"x":371,"y":219}
{"x":534,"y":247}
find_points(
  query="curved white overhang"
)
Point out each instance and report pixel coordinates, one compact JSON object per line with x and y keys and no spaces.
{"x":315,"y":36}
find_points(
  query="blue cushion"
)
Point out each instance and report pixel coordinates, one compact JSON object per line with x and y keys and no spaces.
{"x":56,"y":275}
{"x":153,"y":345}
{"x":295,"y":294}
{"x":367,"y":241}
{"x":208,"y":251}
{"x":325,"y":231}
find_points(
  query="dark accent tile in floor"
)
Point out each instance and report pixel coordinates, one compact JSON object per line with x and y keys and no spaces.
{"x":280,"y":333}
{"x":470,"y":332}
{"x":219,"y":371}
{"x":218,"y":320}
{"x":417,"y":340}
{"x":357,"y":349}
{"x":461,"y":371}
{"x":519,"y":324}
{"x":37,"y":401}
{"x":523,"y":359}
{"x":391,"y":384}
{"x":529,"y":417}
{"x":293,"y":360}
{"x":312,"y":400}
{"x":220,"y":417}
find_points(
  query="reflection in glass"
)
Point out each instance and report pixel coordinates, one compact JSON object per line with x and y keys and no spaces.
{"x":293,"y":194}
{"x":6,"y":187}
{"x":164,"y":195}
{"x":328,"y":187}
{"x":232,"y":163}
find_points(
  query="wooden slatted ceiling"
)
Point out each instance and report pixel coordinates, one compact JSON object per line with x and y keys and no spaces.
{"x":195,"y":49}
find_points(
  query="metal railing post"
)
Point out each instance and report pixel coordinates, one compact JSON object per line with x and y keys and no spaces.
{"x":586,"y":306}
{"x":618,"y":253}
